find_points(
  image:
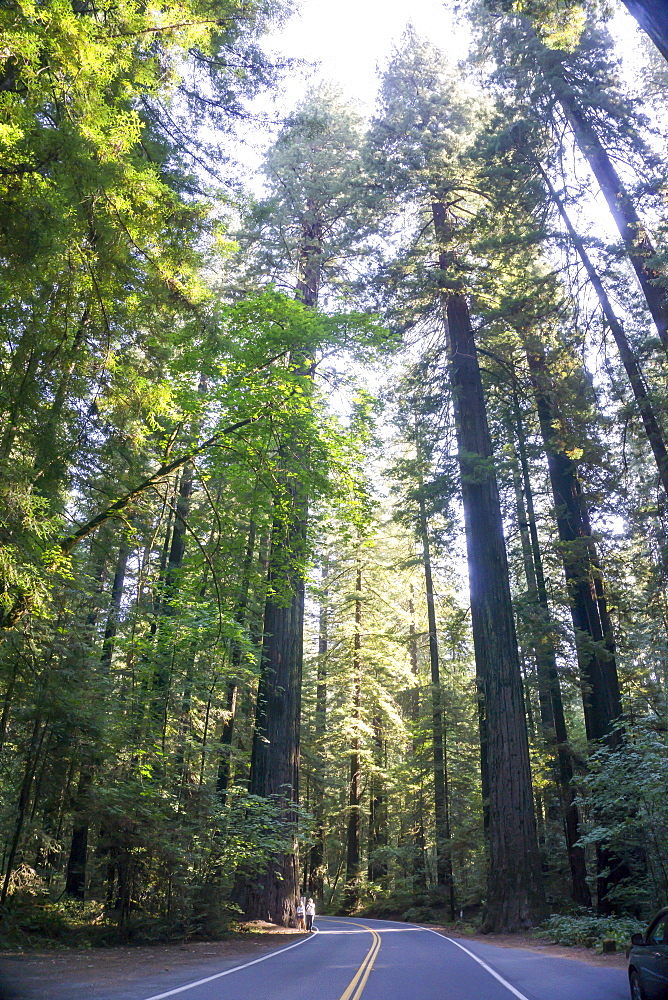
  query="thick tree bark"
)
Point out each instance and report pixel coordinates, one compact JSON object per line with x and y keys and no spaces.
{"x":652,"y":16}
{"x":515,"y":890}
{"x":75,"y":874}
{"x":515,"y":897}
{"x":275,"y":754}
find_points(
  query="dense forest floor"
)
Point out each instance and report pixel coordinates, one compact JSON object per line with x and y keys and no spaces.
{"x":39,"y":972}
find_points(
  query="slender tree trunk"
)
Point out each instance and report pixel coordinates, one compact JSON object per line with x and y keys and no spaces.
{"x":7,"y":703}
{"x":637,"y":242}
{"x":650,"y":420}
{"x":418,"y":868}
{"x":594,"y":639}
{"x":165,"y":642}
{"x":551,"y":704}
{"x":19,"y":382}
{"x":32,"y":760}
{"x":75,"y":873}
{"x":352,"y":889}
{"x":117,"y":589}
{"x":593,"y":632}
{"x":444,"y":877}
{"x":377,"y":867}
{"x":241,"y":619}
{"x":316,"y":886}
{"x":50,"y":463}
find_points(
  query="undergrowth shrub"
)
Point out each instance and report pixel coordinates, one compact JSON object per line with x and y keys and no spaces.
{"x":589,"y":930}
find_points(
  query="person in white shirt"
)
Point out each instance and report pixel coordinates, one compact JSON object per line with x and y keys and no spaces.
{"x":310,"y":913}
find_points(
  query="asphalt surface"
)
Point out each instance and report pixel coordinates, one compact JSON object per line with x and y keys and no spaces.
{"x":360,"y":959}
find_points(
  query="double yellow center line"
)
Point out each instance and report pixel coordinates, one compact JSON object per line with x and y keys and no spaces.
{"x":356,"y":986}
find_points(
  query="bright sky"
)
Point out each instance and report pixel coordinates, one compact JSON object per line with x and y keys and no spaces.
{"x":350,"y":39}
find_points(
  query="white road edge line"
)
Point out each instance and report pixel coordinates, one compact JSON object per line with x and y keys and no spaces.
{"x":228,"y":972}
{"x":486,"y":967}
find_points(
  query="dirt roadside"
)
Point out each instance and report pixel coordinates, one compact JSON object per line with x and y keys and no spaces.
{"x":41,"y":975}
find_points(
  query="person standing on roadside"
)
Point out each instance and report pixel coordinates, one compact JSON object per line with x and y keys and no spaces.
{"x":300,"y":914}
{"x":310,"y":913}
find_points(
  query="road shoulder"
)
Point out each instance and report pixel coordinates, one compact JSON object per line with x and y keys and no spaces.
{"x":45,"y":975}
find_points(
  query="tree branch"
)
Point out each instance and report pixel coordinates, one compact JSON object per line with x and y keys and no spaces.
{"x":166,"y":469}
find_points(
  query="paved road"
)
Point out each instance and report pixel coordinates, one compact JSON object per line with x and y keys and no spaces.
{"x":359,"y":959}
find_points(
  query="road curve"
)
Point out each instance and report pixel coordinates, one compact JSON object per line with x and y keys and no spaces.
{"x":351,"y":958}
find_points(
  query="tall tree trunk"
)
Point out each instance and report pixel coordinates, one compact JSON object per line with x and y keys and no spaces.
{"x":553,"y":719}
{"x":75,"y":873}
{"x":19,"y":382}
{"x":352,"y":888}
{"x":7,"y":702}
{"x":593,"y":632}
{"x":32,"y":759}
{"x":275,"y":754}
{"x":515,"y":897}
{"x":444,"y":877}
{"x":377,"y":867}
{"x":594,"y":639}
{"x":277,"y":722}
{"x":165,"y":641}
{"x":240,"y":617}
{"x":50,"y":463}
{"x":117,"y":589}
{"x":515,"y":890}
{"x":419,"y":866}
{"x":317,"y":853}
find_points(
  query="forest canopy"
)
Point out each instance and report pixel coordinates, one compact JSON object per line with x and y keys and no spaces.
{"x":333,"y":501}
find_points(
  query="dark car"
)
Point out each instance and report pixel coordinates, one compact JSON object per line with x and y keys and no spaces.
{"x":648,"y":960}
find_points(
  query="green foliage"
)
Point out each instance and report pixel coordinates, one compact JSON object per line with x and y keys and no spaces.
{"x":624,"y":794}
{"x":590,"y":931}
{"x":559,"y":23}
